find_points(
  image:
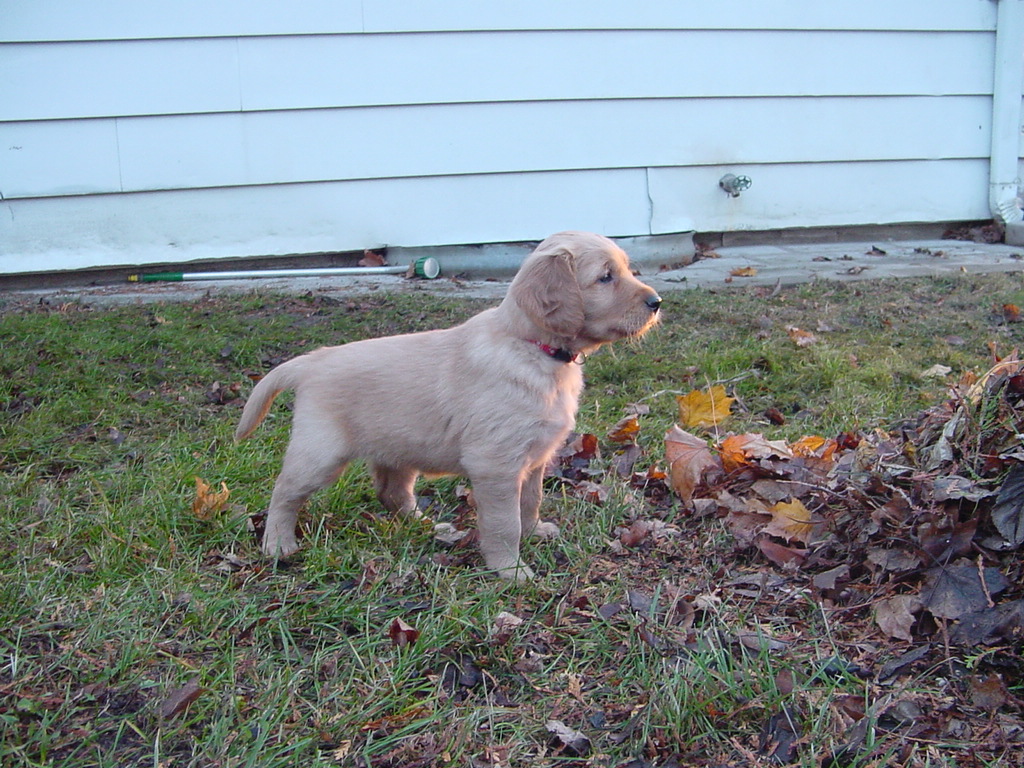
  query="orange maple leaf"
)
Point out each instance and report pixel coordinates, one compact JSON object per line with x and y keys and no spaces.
{"x":625,"y":431}
{"x":800,"y":337}
{"x":743,"y":272}
{"x":704,"y":408}
{"x":738,"y":450}
{"x":815,"y":447}
{"x":731,"y":451}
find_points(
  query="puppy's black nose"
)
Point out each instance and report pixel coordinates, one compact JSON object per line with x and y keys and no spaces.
{"x":654,"y":302}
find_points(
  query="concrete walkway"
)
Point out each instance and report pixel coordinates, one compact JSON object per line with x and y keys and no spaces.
{"x":734,"y":266}
{"x":791,"y":264}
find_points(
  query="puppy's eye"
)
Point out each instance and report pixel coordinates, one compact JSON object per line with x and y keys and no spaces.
{"x":607,"y":277}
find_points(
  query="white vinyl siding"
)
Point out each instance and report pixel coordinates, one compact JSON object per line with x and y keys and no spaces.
{"x":131,"y":133}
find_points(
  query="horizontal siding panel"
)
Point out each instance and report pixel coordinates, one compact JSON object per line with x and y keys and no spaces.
{"x":509,"y":138}
{"x":284,"y":73}
{"x":684,"y":199}
{"x":59,"y":158}
{"x":32,"y":20}
{"x":258,"y":74}
{"x":173,"y":227}
{"x":326,"y":145}
{"x":67,"y":80}
{"x":397,"y":15}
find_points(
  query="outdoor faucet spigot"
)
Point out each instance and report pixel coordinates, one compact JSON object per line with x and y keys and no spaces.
{"x":734,"y":184}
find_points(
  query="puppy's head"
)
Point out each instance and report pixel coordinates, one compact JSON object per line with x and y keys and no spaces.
{"x":577,"y":286}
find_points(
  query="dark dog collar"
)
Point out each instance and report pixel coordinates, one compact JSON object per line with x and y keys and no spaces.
{"x":561,"y":355}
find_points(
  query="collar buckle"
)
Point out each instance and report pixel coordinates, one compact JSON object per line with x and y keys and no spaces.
{"x":560,"y":354}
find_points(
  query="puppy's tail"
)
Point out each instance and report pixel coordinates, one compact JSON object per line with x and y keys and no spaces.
{"x":262,"y":397}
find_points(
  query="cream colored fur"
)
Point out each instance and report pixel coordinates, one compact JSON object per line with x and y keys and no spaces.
{"x":482,"y":400}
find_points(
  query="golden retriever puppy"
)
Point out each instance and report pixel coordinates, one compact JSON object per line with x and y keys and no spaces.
{"x":491,"y":399}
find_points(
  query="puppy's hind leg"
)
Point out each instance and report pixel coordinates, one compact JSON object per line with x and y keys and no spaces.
{"x":394,"y":487}
{"x":307,"y":468}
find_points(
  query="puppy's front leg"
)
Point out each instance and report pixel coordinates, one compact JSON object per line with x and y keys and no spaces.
{"x":500,"y":528}
{"x":529,"y":506}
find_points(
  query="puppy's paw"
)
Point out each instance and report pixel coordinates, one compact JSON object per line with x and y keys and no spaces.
{"x":545,"y":530}
{"x":279,"y":546}
{"x":516,"y":572}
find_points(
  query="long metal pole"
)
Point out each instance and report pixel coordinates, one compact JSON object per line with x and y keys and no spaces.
{"x":243,"y":274}
{"x":423,"y":268}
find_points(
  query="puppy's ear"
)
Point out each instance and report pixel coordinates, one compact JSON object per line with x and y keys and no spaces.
{"x":547,"y":292}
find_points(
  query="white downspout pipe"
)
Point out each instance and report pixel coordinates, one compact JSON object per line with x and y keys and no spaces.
{"x":1007,"y":89}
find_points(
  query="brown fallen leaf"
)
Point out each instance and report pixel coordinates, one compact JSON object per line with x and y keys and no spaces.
{"x":219,"y":394}
{"x":781,"y":555}
{"x":950,"y":591}
{"x":831,"y":579}
{"x":1009,"y":365}
{"x":625,"y":460}
{"x":625,"y":431}
{"x":402,"y":634}
{"x":814,"y":446}
{"x":373,"y":258}
{"x":740,"y":450}
{"x":780,"y":737}
{"x":989,"y":693}
{"x":732,"y":454}
{"x":639,"y":531}
{"x":635,"y":534}
{"x":567,"y":741}
{"x":1003,"y":624}
{"x":575,"y":687}
{"x":745,"y":519}
{"x":689,"y":459}
{"x":1008,"y":511}
{"x":705,"y":251}
{"x":800,"y":337}
{"x":895,"y":615}
{"x":894,"y":560}
{"x":207,"y":503}
{"x":179,"y":700}
{"x":390,"y":722}
{"x":579,"y":448}
{"x":743,"y":272}
{"x":504,"y":627}
{"x":589,"y":491}
{"x":791,"y":521}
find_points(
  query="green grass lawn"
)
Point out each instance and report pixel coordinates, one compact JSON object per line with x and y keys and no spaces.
{"x":134,"y":632}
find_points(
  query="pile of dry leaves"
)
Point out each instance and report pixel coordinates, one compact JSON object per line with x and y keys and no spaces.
{"x":929,"y":516}
{"x":914,"y":535}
